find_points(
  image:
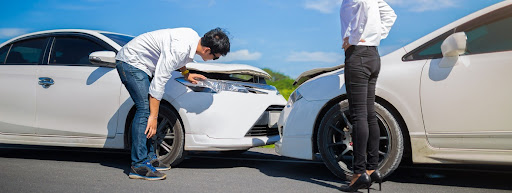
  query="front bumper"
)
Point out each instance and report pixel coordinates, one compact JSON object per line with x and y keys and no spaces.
{"x":204,"y":142}
{"x":296,"y":126}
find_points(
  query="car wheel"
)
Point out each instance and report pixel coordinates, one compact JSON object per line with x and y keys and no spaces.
{"x":170,"y":138}
{"x":334,"y":140}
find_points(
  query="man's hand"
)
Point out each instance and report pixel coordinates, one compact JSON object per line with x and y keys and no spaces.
{"x":346,"y":45}
{"x":194,"y":77}
{"x":151,"y":128}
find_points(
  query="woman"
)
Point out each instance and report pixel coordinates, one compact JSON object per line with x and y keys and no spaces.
{"x":363,"y":24}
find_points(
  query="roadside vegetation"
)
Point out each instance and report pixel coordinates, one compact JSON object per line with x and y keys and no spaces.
{"x":283,"y":83}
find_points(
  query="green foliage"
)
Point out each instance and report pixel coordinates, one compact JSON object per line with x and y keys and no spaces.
{"x":283,"y":83}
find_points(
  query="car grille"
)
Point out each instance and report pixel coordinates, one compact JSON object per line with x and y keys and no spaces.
{"x":267,"y":123}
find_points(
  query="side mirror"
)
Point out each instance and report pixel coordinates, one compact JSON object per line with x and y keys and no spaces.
{"x":453,"y":46}
{"x":103,"y":58}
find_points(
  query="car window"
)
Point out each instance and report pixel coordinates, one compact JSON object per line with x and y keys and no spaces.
{"x":73,"y":50}
{"x":3,"y":53}
{"x":27,"y":52}
{"x":492,"y":37}
{"x":119,"y":39}
{"x":430,"y":50}
{"x":488,"y":33}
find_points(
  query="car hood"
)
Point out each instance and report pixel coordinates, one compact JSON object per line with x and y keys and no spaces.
{"x":228,"y":69}
{"x":315,"y":72}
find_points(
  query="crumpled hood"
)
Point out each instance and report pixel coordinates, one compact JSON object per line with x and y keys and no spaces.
{"x":315,"y":72}
{"x":228,"y":69}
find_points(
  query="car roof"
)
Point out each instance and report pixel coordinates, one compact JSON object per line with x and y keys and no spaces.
{"x":97,"y":33}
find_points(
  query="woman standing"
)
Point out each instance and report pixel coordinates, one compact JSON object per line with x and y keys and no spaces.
{"x":363,"y":24}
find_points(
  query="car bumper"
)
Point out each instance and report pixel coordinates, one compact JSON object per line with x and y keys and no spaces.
{"x":204,"y":142}
{"x":296,"y":126}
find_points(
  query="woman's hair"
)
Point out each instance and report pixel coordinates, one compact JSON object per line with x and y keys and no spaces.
{"x":217,"y":40}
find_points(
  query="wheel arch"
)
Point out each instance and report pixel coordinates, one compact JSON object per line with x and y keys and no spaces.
{"x":407,"y":154}
{"x":131,"y":114}
{"x":321,"y":115}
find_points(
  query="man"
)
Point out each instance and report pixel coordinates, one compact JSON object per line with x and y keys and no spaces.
{"x":363,"y":24}
{"x":157,"y":54}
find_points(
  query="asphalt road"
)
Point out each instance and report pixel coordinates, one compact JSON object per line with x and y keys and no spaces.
{"x":27,"y":169}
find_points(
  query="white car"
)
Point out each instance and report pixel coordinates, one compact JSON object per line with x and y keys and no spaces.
{"x":444,"y":98}
{"x":61,"y":88}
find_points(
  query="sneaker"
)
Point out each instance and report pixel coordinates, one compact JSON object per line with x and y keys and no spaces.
{"x":146,"y":172}
{"x":158,"y":165}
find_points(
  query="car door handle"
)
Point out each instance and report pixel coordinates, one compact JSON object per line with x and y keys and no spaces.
{"x":46,"y":82}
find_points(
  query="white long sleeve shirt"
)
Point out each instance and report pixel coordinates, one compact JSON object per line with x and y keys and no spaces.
{"x":160,"y":52}
{"x":368,"y":20}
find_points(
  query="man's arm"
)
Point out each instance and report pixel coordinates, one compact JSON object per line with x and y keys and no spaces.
{"x":154,"y":106}
{"x":387,"y":17}
{"x":190,"y":76}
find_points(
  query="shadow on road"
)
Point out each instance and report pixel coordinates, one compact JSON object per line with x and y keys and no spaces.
{"x":470,"y":176}
{"x":268,"y":164}
{"x":110,"y":158}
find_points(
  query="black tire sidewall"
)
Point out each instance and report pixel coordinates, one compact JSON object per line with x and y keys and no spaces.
{"x":177,"y":153}
{"x":394,"y":155}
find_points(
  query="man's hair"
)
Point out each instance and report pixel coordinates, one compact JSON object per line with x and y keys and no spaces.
{"x":217,"y":40}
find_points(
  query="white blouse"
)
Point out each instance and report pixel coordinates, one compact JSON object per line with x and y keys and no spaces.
{"x":368,"y":20}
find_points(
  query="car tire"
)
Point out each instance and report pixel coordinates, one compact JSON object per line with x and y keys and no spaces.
{"x":335,"y":148}
{"x":170,"y":137}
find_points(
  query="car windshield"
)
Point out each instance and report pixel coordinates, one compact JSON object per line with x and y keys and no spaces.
{"x":119,"y":39}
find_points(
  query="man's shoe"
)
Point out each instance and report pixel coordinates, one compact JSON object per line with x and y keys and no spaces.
{"x":146,"y":172}
{"x":158,"y":165}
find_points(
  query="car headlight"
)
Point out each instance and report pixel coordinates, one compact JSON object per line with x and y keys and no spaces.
{"x":212,"y":86}
{"x":294,"y":97}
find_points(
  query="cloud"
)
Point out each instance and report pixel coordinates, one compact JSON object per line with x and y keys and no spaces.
{"x":324,"y":6}
{"x":211,"y":3}
{"x":240,"y":55}
{"x":424,"y":5}
{"x":11,"y":32}
{"x":330,"y":6}
{"x":326,"y":57}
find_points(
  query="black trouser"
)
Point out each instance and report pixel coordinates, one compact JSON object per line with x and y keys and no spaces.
{"x":362,"y":66}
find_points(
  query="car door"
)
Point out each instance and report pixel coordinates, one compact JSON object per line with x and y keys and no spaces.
{"x":18,"y":68}
{"x":82,"y":99}
{"x":467,"y":104}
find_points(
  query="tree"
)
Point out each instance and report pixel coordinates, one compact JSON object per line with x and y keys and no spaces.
{"x":283,"y":83}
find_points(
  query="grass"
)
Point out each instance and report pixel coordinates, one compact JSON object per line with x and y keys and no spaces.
{"x":268,"y":146}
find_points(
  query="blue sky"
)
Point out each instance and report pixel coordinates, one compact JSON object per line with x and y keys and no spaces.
{"x":288,"y":36}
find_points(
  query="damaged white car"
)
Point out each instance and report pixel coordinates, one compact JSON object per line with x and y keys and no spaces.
{"x":444,"y":98}
{"x":60,"y":88}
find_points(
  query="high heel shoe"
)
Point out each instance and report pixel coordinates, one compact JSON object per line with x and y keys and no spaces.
{"x":363,"y":181}
{"x":377,"y":177}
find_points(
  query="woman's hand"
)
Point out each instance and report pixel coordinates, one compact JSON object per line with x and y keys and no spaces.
{"x":347,"y":45}
{"x":194,"y":77}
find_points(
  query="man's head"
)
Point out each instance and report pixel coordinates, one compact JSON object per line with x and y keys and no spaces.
{"x":215,"y":43}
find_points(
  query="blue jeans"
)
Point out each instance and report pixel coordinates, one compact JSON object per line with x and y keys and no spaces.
{"x":137,"y":83}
